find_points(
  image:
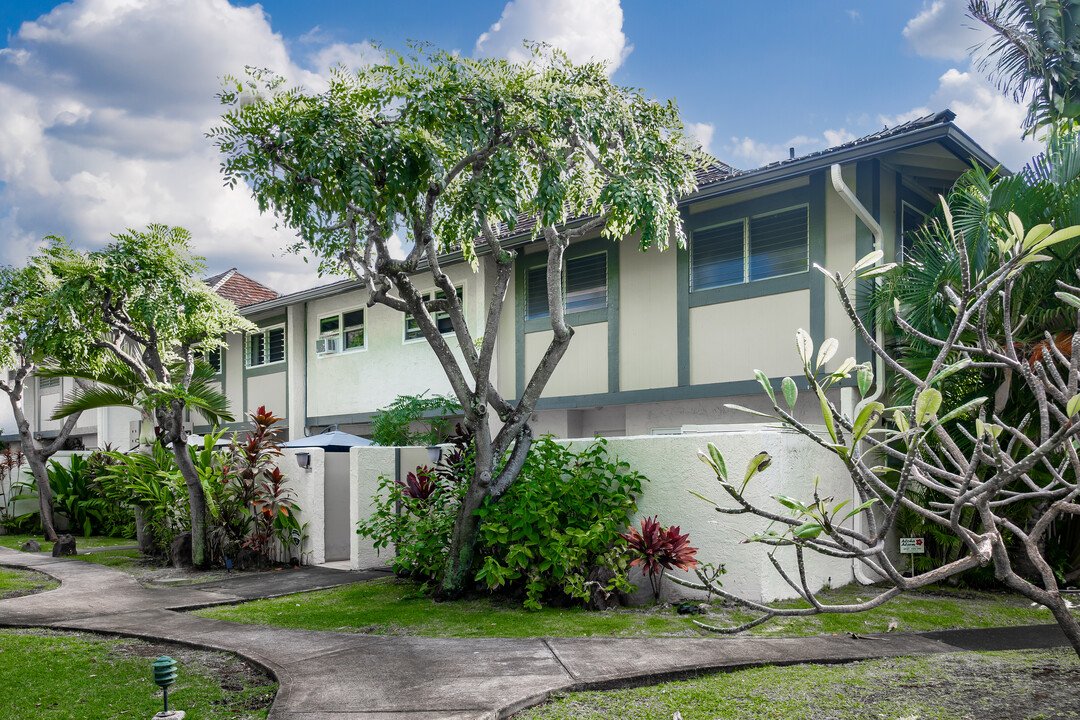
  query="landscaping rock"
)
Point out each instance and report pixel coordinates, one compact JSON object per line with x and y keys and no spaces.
{"x":30,"y":545}
{"x":180,"y":551}
{"x":65,"y":545}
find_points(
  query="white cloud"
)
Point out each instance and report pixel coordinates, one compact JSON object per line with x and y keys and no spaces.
{"x":103,"y":107}
{"x":583,"y":29}
{"x":989,"y":117}
{"x":349,"y":55}
{"x":749,"y":153}
{"x":943,"y":30}
{"x":703,"y":133}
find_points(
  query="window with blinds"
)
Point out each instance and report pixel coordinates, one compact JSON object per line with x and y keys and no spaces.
{"x":754,"y":248}
{"x":584,"y":286}
{"x":911,"y":219}
{"x":44,"y":383}
{"x":210,"y":357}
{"x":266,"y":347}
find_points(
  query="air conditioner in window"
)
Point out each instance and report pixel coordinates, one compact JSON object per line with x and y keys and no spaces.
{"x":327,"y":345}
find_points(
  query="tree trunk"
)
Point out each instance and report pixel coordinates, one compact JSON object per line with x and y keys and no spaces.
{"x":200,"y":546}
{"x":1067,"y":621}
{"x":45,"y":498}
{"x":142,"y":533}
{"x":463,"y":540}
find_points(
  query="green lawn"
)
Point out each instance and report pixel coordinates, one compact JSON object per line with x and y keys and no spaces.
{"x":1028,"y":684}
{"x":393,"y":607}
{"x":14,"y":583}
{"x":81,"y":543}
{"x":51,"y":675}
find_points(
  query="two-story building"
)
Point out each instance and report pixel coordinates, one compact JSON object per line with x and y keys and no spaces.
{"x":663,"y":340}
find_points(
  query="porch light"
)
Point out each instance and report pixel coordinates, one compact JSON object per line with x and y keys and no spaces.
{"x":303,"y":460}
{"x":434,"y":454}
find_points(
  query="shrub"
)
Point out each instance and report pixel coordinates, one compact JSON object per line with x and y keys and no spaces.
{"x":657,"y":549}
{"x":559,"y":521}
{"x":414,"y":420}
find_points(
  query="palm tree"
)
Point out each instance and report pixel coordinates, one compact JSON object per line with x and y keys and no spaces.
{"x":117,"y":385}
{"x":1034,"y":56}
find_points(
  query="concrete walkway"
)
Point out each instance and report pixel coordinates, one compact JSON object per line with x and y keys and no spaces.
{"x":344,"y":676}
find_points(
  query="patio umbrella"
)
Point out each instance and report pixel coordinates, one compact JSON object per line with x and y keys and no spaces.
{"x":331,"y":441}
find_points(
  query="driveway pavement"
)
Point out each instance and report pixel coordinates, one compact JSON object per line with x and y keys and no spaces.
{"x":342,"y":676}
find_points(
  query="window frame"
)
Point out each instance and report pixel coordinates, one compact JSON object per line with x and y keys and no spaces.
{"x":428,"y":295}
{"x":747,"y":247}
{"x":201,"y":353}
{"x":342,"y":331}
{"x":579,"y":317}
{"x":810,"y":194}
{"x":266,"y":332}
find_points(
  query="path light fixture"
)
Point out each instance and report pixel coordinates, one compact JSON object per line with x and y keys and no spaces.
{"x":303,"y":460}
{"x":434,"y":454}
{"x":164,"y":676}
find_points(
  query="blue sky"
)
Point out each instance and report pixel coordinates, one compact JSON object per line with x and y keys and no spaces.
{"x":103,"y":103}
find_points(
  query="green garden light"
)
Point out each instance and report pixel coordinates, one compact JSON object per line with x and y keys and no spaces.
{"x":164,"y":676}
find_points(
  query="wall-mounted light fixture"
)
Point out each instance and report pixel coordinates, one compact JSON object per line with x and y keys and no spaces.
{"x":434,"y":454}
{"x":303,"y":460}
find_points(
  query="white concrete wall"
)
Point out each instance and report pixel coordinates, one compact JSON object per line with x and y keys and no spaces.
{"x":308,"y":486}
{"x":673,"y":469}
{"x":366,"y":465}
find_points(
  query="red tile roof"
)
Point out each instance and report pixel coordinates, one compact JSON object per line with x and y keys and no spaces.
{"x":240,"y":289}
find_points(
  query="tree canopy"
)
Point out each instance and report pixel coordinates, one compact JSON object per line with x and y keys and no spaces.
{"x":456,"y":155}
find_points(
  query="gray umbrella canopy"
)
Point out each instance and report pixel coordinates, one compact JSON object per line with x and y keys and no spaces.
{"x":333,"y":441}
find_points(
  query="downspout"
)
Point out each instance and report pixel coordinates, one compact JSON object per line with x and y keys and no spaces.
{"x":845,"y":193}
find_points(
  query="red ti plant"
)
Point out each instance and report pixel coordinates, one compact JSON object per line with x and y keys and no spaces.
{"x":420,"y":485}
{"x":656,"y":548}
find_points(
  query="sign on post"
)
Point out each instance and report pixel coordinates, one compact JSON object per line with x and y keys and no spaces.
{"x":912,"y":546}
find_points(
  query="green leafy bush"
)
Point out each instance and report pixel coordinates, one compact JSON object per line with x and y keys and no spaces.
{"x":414,"y":420}
{"x":558,"y":522}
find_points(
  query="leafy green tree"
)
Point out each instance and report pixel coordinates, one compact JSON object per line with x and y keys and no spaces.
{"x":452,"y":152}
{"x":31,"y":334}
{"x":414,"y":420}
{"x":1035,"y":56}
{"x":140,"y":301}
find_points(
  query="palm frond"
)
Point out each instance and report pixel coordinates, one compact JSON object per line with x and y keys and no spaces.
{"x":92,"y":398}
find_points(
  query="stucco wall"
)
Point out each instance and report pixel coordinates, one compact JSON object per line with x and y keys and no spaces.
{"x":728,"y":341}
{"x":673,"y":468}
{"x":388,"y":366}
{"x":583,"y":370}
{"x":308,"y":486}
{"x":648,"y":318}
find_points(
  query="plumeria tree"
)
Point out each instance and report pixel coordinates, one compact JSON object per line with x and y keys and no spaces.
{"x":31,"y":335}
{"x":452,"y":153}
{"x":140,"y":302}
{"x":958,"y":468}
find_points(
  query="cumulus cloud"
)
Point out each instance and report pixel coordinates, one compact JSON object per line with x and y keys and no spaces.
{"x":943,"y":30}
{"x":583,"y":29}
{"x":348,"y":55}
{"x":103,"y":109}
{"x":746,"y":152}
{"x":703,"y":133}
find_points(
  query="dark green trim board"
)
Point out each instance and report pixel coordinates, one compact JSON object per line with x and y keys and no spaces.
{"x":610,"y":314}
{"x":682,"y":304}
{"x":693,"y":392}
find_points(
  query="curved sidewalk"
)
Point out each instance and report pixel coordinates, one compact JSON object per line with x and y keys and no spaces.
{"x":344,"y":676}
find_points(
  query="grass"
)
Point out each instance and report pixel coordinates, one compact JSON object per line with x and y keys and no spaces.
{"x":47,"y":675}
{"x":118,"y":559}
{"x":82,"y":543}
{"x":1025,"y":684}
{"x":394,"y":607}
{"x":16,"y":583}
